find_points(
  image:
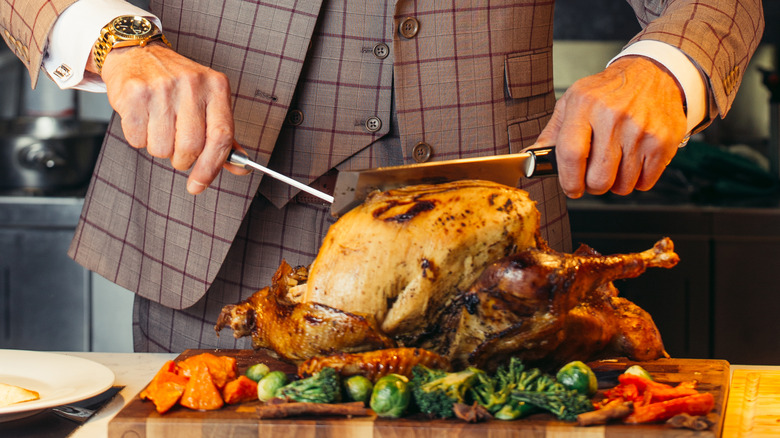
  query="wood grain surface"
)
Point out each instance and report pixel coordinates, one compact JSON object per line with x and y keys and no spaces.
{"x":753,"y":408}
{"x":139,"y":419}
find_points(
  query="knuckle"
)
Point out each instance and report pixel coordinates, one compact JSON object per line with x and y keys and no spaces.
{"x":135,"y":89}
{"x":220,"y":135}
{"x":219,"y":81}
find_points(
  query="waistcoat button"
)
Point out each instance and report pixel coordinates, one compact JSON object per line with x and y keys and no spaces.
{"x":421,"y":152}
{"x":295,"y":117}
{"x":381,"y":50}
{"x":409,"y":27}
{"x":373,"y":124}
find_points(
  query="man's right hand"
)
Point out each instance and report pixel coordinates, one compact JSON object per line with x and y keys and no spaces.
{"x":173,"y":107}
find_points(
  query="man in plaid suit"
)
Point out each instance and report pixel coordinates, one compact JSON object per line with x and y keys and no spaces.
{"x":314,"y":87}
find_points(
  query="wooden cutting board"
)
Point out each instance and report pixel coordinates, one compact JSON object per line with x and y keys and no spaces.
{"x":139,"y":419}
{"x":754,"y":404}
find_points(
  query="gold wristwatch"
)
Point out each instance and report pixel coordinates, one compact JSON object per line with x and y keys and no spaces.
{"x":125,"y":31}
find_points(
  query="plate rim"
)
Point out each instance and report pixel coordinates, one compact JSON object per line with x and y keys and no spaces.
{"x":101,"y":382}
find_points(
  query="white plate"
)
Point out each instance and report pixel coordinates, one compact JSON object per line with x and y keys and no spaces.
{"x":58,"y":378}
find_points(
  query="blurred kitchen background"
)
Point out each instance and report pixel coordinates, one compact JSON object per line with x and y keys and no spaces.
{"x":718,"y":200}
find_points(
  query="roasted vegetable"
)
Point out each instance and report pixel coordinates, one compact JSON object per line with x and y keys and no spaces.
{"x":240,"y":390}
{"x":221,"y":368}
{"x":637,"y":370}
{"x":514,"y":411}
{"x":435,"y":391}
{"x":358,"y":388}
{"x":492,"y":393}
{"x":201,"y":391}
{"x":578,"y":377}
{"x":257,"y":371}
{"x":696,"y":404}
{"x":643,"y":391}
{"x":322,"y":387}
{"x":166,"y":388}
{"x":553,"y":397}
{"x":284,"y":410}
{"x":391,"y":396}
{"x":270,"y":384}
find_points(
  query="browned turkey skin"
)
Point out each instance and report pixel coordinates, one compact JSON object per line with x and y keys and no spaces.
{"x":541,"y":305}
{"x":298,"y":331}
{"x":466,"y":277}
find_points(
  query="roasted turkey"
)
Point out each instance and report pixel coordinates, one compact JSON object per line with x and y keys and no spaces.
{"x":458,"y":269}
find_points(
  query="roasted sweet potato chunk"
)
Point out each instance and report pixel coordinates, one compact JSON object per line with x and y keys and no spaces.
{"x":201,"y":393}
{"x":166,"y":388}
{"x":222,"y":368}
{"x":240,"y":390}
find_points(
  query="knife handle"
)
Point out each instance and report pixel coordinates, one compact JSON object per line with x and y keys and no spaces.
{"x":544,"y":163}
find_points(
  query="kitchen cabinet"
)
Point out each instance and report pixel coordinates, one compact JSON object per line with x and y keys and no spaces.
{"x":45,"y":298}
{"x":721,"y":300}
{"x":47,"y":301}
{"x":747,"y":299}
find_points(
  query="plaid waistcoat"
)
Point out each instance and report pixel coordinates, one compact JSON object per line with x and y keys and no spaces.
{"x":475,"y":79}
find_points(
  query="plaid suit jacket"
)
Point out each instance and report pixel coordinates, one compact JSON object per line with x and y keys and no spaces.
{"x":475,"y":79}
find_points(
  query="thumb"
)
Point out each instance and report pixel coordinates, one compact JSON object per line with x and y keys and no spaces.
{"x":549,"y":135}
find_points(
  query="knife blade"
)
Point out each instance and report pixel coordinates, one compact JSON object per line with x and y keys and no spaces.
{"x":352,"y":187}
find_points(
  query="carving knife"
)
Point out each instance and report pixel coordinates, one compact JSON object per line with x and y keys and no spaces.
{"x":352,"y":187}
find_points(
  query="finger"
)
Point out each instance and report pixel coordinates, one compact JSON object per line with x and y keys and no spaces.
{"x":603,"y":163}
{"x":135,"y":118}
{"x":190,"y":134}
{"x":653,"y":167}
{"x":629,"y":171}
{"x":219,"y":138}
{"x":572,"y":150}
{"x":550,"y":132}
{"x":162,"y":122}
{"x":232,"y":168}
{"x":633,"y":145}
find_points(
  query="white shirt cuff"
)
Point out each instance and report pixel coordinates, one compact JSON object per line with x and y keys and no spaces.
{"x":73,"y":36}
{"x":683,"y":69}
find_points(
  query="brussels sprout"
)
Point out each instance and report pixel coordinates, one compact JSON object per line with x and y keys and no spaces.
{"x":358,"y":388}
{"x":257,"y":371}
{"x":391,"y":396}
{"x":579,"y":377}
{"x":638,"y":371}
{"x":270,"y":384}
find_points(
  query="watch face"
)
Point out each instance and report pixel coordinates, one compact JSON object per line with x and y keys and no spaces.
{"x":132,"y":27}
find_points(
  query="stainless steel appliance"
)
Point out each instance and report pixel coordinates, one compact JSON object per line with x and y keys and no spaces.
{"x":46,"y":155}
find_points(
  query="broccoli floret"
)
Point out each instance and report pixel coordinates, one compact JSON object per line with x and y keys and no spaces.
{"x":435,"y":391}
{"x":488,"y":393}
{"x":493,"y":393}
{"x":553,"y":397}
{"x":514,"y":375}
{"x":322,"y":387}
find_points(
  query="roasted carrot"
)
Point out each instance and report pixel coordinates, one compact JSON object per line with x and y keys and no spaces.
{"x":696,"y":404}
{"x":659,"y":391}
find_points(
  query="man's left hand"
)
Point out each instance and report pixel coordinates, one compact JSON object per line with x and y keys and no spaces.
{"x":616,"y":130}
